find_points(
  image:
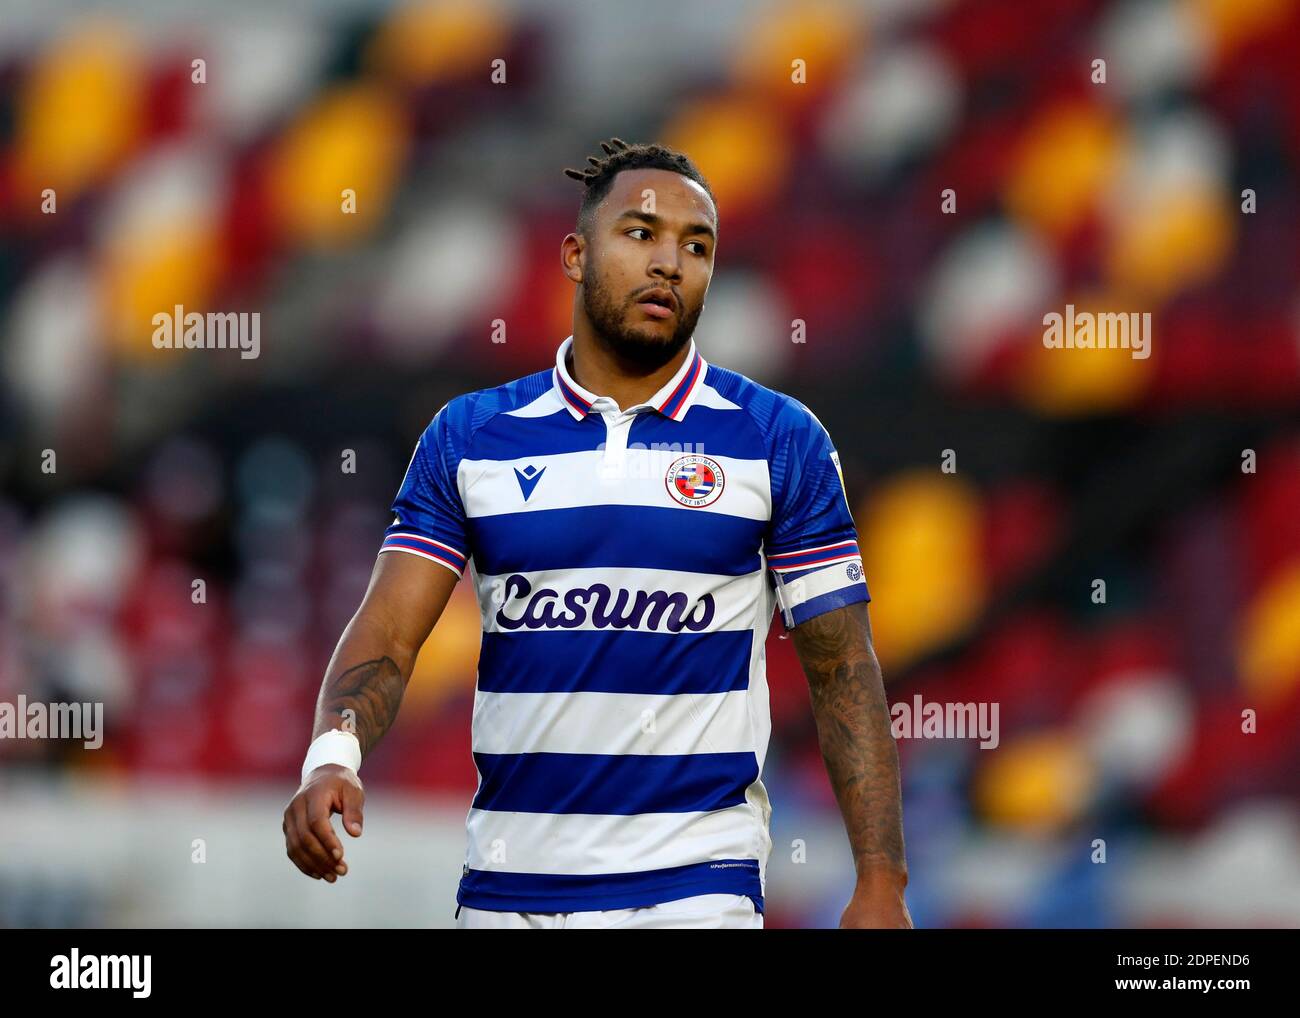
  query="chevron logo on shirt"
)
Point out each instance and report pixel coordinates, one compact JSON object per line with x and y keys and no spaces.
{"x":528,"y":478}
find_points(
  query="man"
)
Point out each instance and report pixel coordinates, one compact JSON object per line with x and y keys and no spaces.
{"x":631,"y":519}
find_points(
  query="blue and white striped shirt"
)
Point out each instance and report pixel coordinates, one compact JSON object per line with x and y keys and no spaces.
{"x":627,"y":565}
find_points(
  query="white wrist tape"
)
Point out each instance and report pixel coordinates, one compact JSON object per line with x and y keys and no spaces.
{"x":332,"y":747}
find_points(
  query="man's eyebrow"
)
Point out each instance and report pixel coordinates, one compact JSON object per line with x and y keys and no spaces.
{"x":654,"y":219}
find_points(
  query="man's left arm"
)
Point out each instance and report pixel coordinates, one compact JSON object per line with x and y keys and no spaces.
{"x":852,"y":715}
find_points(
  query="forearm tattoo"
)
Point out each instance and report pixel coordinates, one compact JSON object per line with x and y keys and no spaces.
{"x":372,"y":692}
{"x":853,"y":726}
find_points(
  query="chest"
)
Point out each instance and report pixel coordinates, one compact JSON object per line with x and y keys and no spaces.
{"x":620,"y":498}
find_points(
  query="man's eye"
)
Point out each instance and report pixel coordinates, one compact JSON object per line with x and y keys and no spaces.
{"x":703,"y":250}
{"x":638,"y":229}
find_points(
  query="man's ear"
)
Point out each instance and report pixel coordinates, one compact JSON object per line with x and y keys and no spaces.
{"x":573,"y":268}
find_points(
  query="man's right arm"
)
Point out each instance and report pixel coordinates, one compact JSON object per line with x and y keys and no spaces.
{"x":374,"y":657}
{"x":361,"y":693}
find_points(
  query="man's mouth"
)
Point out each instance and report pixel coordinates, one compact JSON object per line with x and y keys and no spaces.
{"x":658,"y":303}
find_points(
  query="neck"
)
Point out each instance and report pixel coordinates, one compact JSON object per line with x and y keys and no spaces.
{"x":597,"y":368}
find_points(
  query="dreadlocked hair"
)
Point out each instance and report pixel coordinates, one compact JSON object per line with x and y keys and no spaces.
{"x":619,"y":156}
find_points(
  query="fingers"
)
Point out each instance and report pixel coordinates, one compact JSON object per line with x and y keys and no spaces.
{"x":318,"y":858}
{"x":311,"y":839}
{"x":353,"y":800}
{"x":321,"y":834}
{"x":294,"y":848}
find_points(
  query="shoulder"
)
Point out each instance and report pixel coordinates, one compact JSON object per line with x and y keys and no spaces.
{"x":454,"y":425}
{"x":778,"y":416}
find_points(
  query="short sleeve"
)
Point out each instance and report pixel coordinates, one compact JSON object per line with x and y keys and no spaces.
{"x":811,"y":543}
{"x":428,"y":515}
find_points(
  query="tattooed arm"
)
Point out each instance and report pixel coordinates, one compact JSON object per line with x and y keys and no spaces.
{"x":852,"y":715}
{"x":361,"y":693}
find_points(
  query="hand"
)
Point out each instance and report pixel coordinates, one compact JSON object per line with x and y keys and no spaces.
{"x":877,"y":904}
{"x":309,"y":835}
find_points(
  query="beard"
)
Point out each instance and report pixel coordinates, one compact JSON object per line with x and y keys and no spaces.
{"x":643,"y":347}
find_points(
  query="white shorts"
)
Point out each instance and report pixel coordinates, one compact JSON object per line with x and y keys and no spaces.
{"x":702,"y":912}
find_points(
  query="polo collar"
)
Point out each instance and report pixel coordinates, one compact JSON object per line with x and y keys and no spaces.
{"x":673,"y":400}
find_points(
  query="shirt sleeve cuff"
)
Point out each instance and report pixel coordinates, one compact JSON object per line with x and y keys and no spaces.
{"x":426,"y":547}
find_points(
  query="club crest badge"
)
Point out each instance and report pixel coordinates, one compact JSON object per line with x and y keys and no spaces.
{"x":695,"y":481}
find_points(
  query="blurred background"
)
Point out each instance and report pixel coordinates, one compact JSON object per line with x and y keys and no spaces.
{"x":1169,"y":188}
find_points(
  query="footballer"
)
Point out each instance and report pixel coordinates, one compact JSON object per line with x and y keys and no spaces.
{"x":630,"y":518}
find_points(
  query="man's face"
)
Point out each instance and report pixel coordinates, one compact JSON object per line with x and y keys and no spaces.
{"x":655,"y":231}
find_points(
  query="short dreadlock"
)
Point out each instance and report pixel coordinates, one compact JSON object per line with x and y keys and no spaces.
{"x":622,"y":156}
